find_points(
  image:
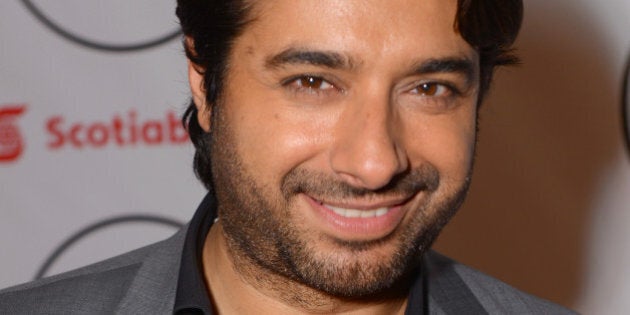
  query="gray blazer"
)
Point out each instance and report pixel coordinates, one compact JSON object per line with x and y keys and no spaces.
{"x":144,"y":281}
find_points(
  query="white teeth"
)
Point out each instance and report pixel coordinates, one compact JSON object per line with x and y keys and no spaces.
{"x":353,"y":213}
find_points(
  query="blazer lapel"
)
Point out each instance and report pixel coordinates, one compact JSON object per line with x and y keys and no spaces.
{"x":153,"y":289}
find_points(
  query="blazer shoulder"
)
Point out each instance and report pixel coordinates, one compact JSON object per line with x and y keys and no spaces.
{"x":95,"y":292}
{"x":93,"y":289}
{"x":494,"y":295}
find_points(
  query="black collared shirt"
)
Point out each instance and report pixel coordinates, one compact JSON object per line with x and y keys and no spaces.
{"x":192,"y":295}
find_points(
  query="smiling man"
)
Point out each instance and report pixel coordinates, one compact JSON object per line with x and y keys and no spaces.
{"x":336,"y":138}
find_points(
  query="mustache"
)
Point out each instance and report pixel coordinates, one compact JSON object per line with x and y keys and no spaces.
{"x":425,"y":177}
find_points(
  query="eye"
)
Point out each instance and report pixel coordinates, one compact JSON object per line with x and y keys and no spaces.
{"x":432,"y":89}
{"x":435,"y":96}
{"x":310,"y":83}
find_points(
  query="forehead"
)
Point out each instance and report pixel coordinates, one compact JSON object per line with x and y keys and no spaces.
{"x":365,"y":29}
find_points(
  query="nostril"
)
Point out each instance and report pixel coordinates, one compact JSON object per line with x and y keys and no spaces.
{"x":370,"y":168}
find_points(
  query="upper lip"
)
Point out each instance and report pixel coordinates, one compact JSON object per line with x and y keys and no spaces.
{"x":367,"y":204}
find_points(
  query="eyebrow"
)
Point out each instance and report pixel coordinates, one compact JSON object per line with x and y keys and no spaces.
{"x":463,"y":66}
{"x":293,"y":56}
{"x":334,"y":60}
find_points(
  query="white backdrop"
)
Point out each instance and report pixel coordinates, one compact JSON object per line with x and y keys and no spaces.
{"x":88,"y":135}
{"x":98,"y":131}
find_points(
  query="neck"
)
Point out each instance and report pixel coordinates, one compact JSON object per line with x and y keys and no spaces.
{"x":239,"y":286}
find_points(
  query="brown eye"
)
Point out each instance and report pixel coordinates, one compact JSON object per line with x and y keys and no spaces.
{"x":311,"y":83}
{"x":430,"y":89}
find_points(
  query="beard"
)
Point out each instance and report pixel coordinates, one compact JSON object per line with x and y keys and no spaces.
{"x":264,"y":231}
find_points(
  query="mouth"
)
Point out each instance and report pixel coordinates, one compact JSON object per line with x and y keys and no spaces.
{"x":355,"y":213}
{"x":357,"y":220}
{"x":362,"y":210}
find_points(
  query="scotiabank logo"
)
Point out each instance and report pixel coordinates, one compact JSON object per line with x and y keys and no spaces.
{"x":120,"y":130}
{"x":11,"y":141}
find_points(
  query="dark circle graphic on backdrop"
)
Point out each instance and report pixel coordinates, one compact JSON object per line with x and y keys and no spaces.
{"x":88,"y":42}
{"x":625,"y":104}
{"x":99,"y":225}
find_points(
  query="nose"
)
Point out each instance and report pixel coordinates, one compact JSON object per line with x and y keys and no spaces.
{"x":368,"y":150}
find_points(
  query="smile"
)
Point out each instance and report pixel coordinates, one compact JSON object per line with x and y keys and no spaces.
{"x":356,"y":220}
{"x":355,"y":213}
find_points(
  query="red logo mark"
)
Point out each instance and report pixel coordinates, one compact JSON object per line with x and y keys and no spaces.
{"x":11,"y":143}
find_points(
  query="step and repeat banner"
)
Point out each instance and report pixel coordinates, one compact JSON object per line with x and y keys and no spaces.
{"x":94,"y":161}
{"x":93,"y":158}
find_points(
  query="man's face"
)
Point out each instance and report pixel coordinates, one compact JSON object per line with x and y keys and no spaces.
{"x":343,"y":139}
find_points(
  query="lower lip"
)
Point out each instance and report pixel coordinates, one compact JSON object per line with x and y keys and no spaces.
{"x":356,"y":229}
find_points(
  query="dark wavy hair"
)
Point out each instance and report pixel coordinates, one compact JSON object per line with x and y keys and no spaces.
{"x":490,"y":26}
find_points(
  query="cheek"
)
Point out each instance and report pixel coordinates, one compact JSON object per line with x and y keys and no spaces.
{"x":273,"y":137}
{"x":447,"y":143}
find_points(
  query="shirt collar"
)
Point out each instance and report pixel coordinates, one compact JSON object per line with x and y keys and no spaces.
{"x":192,"y":296}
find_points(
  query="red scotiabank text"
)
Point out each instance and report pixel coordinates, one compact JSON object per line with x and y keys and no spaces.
{"x":121,"y":130}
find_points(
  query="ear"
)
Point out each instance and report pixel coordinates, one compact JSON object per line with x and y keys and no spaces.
{"x":195,"y":79}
